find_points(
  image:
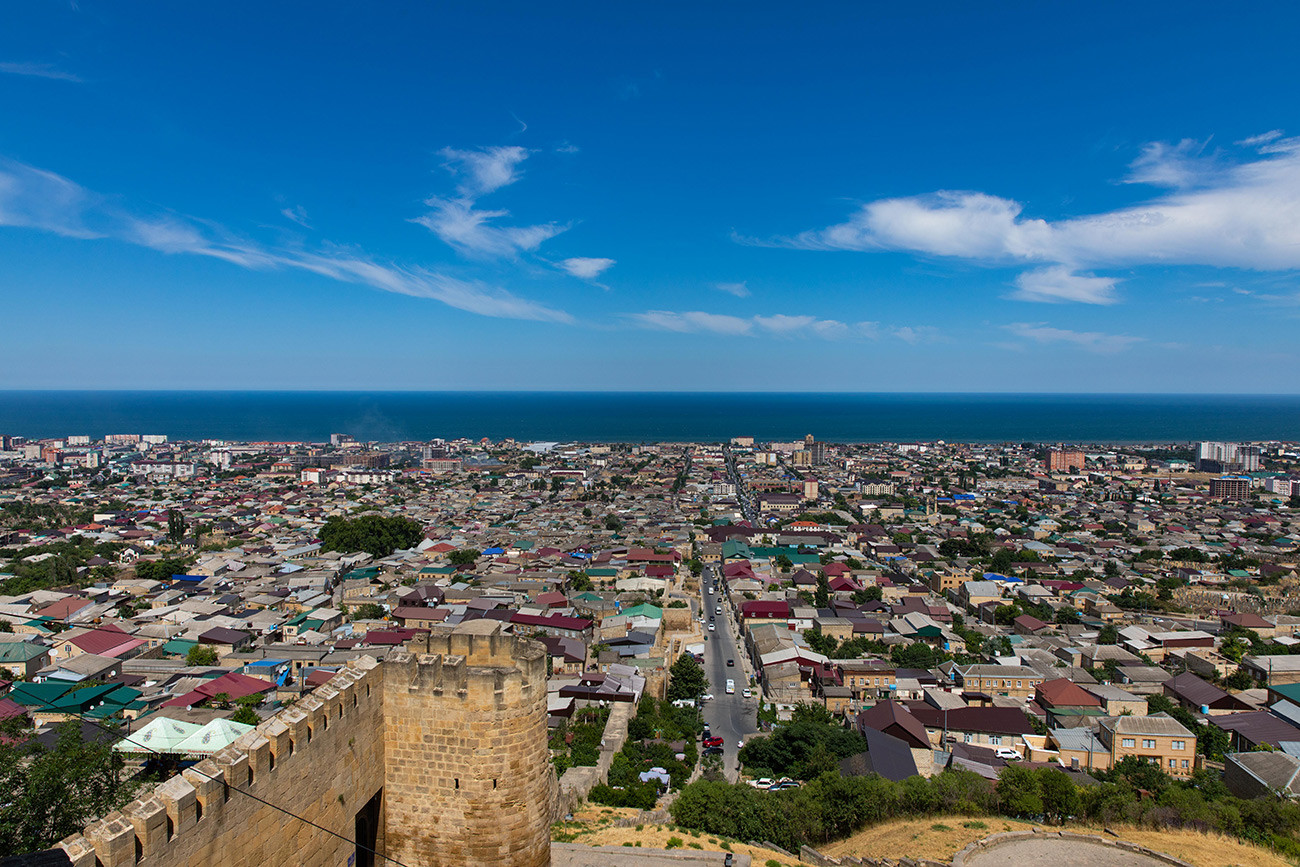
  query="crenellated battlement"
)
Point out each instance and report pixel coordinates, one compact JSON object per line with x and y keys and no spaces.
{"x":435,"y":756}
{"x":471,"y":663}
{"x":182,"y":820}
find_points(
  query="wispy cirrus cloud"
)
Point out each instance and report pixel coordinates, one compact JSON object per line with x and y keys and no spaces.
{"x":296,"y":214}
{"x":740,"y":290}
{"x":1093,"y":341}
{"x":1216,"y":211}
{"x":800,"y":326}
{"x":458,"y":222}
{"x":39,"y":70}
{"x":587,"y":268}
{"x":36,"y":199}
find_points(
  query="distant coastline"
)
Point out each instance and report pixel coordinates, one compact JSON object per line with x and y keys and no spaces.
{"x":654,"y":416}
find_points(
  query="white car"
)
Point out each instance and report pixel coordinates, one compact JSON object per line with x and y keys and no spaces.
{"x":1007,"y":754}
{"x":708,"y":696}
{"x":748,"y":693}
{"x":712,"y":627}
{"x":761,"y":783}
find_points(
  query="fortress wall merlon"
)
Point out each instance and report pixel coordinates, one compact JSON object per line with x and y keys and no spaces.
{"x":321,"y":759}
{"x":440,"y":752}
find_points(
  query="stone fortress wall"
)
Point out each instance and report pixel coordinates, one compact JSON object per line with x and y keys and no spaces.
{"x":437,"y":756}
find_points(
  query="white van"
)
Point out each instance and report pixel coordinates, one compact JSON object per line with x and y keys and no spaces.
{"x":731,"y":687}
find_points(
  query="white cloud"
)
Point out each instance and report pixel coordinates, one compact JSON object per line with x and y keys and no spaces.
{"x":1093,"y":341}
{"x":35,"y":199}
{"x":587,"y":269}
{"x":1243,"y":214}
{"x":38,"y":70}
{"x":740,"y":290}
{"x":778,"y":324}
{"x":484,"y":170}
{"x":297,"y":214}
{"x":693,"y":321}
{"x":1058,"y":283}
{"x":459,"y":225}
{"x":915,"y":334}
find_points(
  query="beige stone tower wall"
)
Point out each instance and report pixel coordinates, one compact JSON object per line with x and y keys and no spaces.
{"x":469,"y":778}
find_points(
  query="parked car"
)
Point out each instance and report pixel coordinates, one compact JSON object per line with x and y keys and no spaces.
{"x":731,"y":663}
{"x":713,"y":751}
{"x":713,"y":742}
{"x":783,"y":785}
{"x":762,"y":783}
{"x":708,"y":696}
{"x":1007,"y":754}
{"x":748,"y":693}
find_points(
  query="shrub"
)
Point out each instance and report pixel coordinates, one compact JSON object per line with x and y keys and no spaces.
{"x":674,"y":843}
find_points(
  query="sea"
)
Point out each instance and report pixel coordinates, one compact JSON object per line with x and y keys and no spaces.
{"x":653,"y":417}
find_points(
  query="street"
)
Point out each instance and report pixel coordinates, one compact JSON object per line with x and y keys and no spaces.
{"x":730,"y":717}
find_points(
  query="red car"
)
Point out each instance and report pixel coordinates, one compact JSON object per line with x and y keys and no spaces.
{"x":713,"y":742}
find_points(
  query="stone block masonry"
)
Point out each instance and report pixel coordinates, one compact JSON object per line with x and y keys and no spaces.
{"x":437,"y":756}
{"x":468,"y":777}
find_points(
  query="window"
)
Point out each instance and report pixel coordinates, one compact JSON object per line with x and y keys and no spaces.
{"x":967,"y":737}
{"x":1173,"y":763}
{"x":1180,"y":745}
{"x":1148,"y":743}
{"x":1129,"y":742}
{"x":1184,"y":764}
{"x":1018,"y":686}
{"x":995,"y":740}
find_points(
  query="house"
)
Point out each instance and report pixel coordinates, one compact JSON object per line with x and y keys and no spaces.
{"x":1158,"y":738}
{"x":1262,"y":774}
{"x":22,"y":659}
{"x":1200,"y":697}
{"x":984,"y":726}
{"x":1067,"y":704}
{"x":973,"y":594}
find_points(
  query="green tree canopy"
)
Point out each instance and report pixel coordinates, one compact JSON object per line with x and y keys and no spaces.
{"x":201,"y":654}
{"x":686,"y":679}
{"x":377,"y":535}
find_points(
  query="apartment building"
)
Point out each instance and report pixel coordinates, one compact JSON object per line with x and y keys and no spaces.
{"x":1014,"y":680}
{"x":1158,"y":738}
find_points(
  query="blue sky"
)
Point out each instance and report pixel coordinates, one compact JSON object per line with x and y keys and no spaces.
{"x":1017,"y":197}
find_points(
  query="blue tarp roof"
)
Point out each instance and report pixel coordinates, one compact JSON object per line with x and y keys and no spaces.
{"x":487,"y":551}
{"x":193,"y":578}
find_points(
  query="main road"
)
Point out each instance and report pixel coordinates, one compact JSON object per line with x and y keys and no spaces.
{"x":730,"y":717}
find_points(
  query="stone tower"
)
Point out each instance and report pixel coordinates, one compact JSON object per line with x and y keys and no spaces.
{"x":467,"y":776}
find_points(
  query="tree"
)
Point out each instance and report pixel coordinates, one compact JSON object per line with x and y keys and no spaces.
{"x":463,"y":557}
{"x":1020,"y":792}
{"x":686,"y":679}
{"x":369,"y":611}
{"x":201,"y":654}
{"x":783,"y":562}
{"x":806,"y":711}
{"x":871,"y":593}
{"x":246,"y":713}
{"x":175,"y":526}
{"x":50,"y":794}
{"x":376,"y":535}
{"x":1060,"y":797}
{"x":823,"y":597}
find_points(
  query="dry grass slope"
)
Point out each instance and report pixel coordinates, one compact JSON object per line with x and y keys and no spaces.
{"x":942,"y":838}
